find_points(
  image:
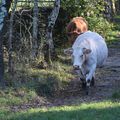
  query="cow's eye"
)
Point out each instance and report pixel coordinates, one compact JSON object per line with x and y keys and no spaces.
{"x":81,"y":56}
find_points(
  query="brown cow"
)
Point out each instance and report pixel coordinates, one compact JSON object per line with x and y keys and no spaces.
{"x":75,"y":27}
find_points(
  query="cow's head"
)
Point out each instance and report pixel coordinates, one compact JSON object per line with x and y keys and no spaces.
{"x":75,"y":27}
{"x":79,"y":56}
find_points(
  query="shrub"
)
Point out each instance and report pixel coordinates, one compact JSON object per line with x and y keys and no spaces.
{"x":91,"y":10}
{"x":100,"y":25}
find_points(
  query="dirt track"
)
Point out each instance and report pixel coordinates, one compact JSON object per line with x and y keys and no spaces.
{"x":106,"y":84}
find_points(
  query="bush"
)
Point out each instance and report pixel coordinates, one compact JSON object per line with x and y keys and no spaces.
{"x":91,"y":10}
{"x":100,"y":25}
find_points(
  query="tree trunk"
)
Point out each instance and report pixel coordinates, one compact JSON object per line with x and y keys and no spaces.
{"x":113,"y":7}
{"x":108,"y":9}
{"x":10,"y":62}
{"x":50,"y":53}
{"x":4,"y":7}
{"x":35,"y":29}
{"x":117,"y":5}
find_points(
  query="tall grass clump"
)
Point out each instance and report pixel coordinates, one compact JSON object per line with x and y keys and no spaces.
{"x":44,"y":81}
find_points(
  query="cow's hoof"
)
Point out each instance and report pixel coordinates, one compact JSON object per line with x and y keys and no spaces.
{"x":92,"y":82}
{"x":82,"y":79}
{"x":87,"y":93}
{"x":88,"y":86}
{"x":87,"y":90}
{"x":83,"y":85}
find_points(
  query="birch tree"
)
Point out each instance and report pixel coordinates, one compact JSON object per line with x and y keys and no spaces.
{"x":10,"y":63}
{"x":3,"y":14}
{"x":113,"y":6}
{"x":51,"y":22}
{"x":35,"y":29}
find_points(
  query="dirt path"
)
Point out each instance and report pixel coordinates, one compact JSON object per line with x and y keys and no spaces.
{"x":107,"y":82}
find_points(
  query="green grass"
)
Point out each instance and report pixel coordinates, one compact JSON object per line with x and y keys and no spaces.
{"x":11,"y":96}
{"x":43,"y":81}
{"x":113,"y":38}
{"x":106,"y":110}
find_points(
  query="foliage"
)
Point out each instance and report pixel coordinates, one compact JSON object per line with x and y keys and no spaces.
{"x":92,"y":10}
{"x":83,"y":7}
{"x":101,"y":26}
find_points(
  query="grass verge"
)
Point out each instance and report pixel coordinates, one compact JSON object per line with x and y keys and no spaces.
{"x":93,"y":111}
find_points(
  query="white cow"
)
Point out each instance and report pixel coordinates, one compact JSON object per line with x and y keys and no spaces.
{"x":89,"y":51}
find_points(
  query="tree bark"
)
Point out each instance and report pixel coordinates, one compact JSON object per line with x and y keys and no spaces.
{"x":10,"y":51}
{"x":113,"y":7}
{"x":117,"y":5}
{"x":35,"y":29}
{"x":50,"y":53}
{"x":4,"y":7}
{"x":108,"y":9}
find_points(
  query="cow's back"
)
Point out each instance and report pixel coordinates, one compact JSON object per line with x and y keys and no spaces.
{"x":100,"y":49}
{"x":96,"y":43}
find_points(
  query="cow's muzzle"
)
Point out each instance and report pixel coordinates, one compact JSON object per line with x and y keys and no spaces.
{"x":76,"y":67}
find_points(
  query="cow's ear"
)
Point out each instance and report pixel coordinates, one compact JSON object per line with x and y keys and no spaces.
{"x":86,"y":51}
{"x":68,"y":51}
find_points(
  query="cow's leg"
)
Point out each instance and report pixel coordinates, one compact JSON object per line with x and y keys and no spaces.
{"x":82,"y":78}
{"x":87,"y":87}
{"x":89,"y":77}
{"x":92,"y":83}
{"x":83,"y":83}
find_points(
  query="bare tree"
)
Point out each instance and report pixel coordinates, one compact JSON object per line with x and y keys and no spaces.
{"x":10,"y":63}
{"x":35,"y":29}
{"x":51,"y":22}
{"x":4,"y":7}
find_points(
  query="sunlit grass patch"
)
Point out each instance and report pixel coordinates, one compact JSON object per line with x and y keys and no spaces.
{"x":86,"y":111}
{"x":18,"y":96}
